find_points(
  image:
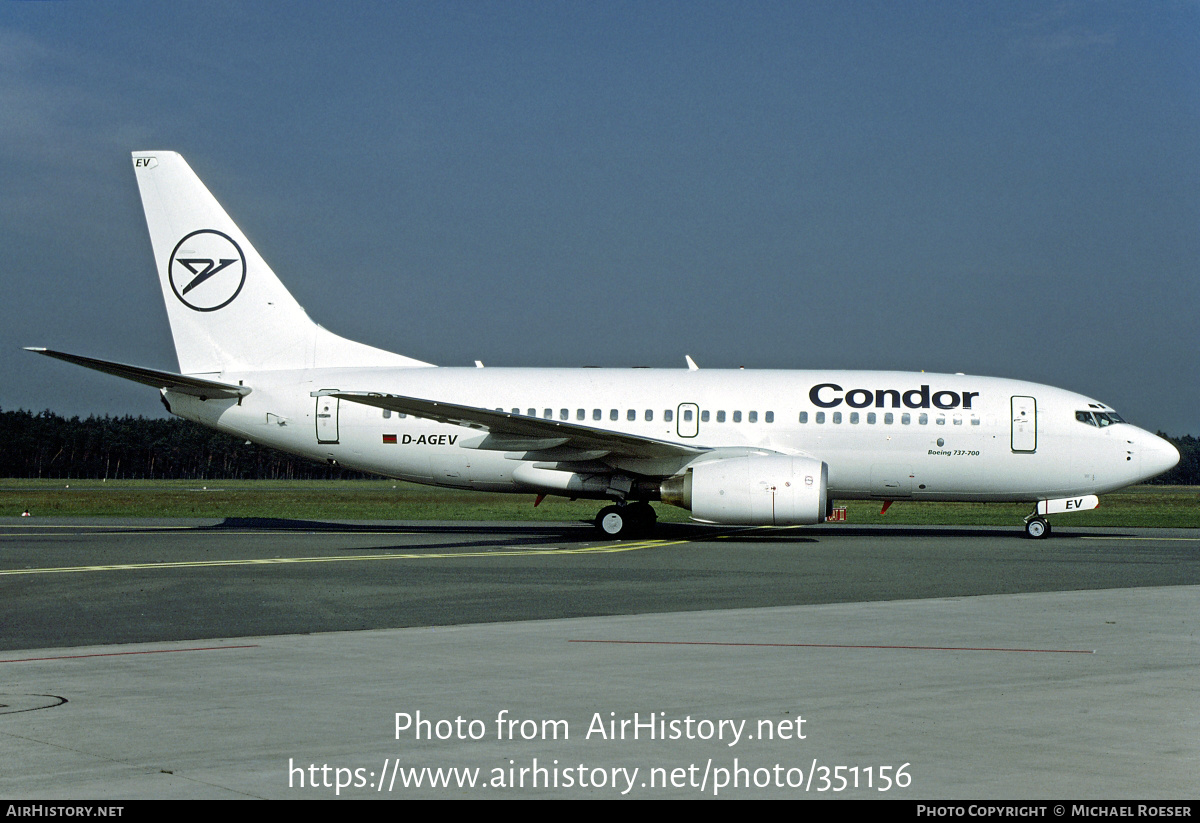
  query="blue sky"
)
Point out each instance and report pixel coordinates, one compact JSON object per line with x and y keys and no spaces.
{"x":1007,"y":189}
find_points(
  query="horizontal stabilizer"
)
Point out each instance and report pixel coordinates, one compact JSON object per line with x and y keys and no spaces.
{"x":508,"y":429}
{"x":196,"y":386}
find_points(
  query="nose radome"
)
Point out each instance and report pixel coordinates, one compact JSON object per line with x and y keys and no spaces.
{"x":1158,"y":455}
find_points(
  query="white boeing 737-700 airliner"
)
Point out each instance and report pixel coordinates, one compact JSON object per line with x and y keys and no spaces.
{"x":731,"y":446}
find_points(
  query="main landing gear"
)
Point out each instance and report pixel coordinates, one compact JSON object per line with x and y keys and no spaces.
{"x":626,"y":520}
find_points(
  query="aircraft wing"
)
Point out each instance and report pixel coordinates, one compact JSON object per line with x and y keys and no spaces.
{"x":518,"y":432}
{"x":197,"y":386}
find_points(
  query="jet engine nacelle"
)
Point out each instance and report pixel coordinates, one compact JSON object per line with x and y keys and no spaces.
{"x":755,"y":490}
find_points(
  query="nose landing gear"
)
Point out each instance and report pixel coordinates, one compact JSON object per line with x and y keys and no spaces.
{"x":1036,"y":527}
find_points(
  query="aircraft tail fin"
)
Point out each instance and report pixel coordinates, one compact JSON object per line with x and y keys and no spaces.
{"x":228,"y":311}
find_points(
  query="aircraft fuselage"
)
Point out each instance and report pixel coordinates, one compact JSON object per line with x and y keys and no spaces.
{"x":886,"y":435}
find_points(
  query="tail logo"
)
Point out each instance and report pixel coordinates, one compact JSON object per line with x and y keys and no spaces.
{"x":207,"y":270}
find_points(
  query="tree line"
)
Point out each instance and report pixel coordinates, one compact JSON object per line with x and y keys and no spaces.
{"x":47,"y":445}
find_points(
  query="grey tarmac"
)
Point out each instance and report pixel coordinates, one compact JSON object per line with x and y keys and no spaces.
{"x":252,"y":658}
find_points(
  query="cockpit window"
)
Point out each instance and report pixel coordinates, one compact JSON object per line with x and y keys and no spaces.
{"x":1100,"y":419}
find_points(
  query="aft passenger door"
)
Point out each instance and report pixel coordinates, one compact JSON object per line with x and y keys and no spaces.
{"x":327,"y":419}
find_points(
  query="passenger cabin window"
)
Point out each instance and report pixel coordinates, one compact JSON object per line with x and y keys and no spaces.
{"x":854,"y":418}
{"x":387,"y":413}
{"x":820,"y":417}
{"x":721,"y":416}
{"x":596,"y":414}
{"x":737,"y":417}
{"x":769,"y":417}
{"x":631,"y":415}
{"x":803,"y":417}
{"x":669,"y":415}
{"x":752,"y":417}
{"x":704,"y":416}
{"x":649,"y":415}
{"x":837,"y":417}
{"x":613,"y":414}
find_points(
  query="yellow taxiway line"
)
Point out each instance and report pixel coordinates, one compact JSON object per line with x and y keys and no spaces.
{"x":607,"y":548}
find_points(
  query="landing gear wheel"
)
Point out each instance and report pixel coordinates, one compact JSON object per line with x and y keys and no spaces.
{"x":632,"y":520}
{"x":613,"y":522}
{"x":643,"y":517}
{"x":1037,"y":528}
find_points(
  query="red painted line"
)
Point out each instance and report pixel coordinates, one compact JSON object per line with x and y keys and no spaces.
{"x":833,"y":646}
{"x":121,"y":654}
